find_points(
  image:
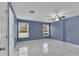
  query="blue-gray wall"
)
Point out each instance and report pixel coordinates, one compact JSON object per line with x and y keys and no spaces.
{"x":35,"y":30}
{"x":67,"y":29}
{"x":60,"y":30}
{"x":56,"y":30}
{"x":72,"y":30}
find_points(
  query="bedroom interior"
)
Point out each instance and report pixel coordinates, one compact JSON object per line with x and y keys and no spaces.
{"x":39,"y":28}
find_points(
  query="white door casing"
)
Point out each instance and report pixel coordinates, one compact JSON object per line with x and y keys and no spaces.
{"x":11,"y":31}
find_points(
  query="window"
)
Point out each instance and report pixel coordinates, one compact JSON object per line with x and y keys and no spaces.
{"x":23,"y":30}
{"x":45,"y":30}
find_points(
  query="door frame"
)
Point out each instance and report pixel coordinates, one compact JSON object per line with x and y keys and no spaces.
{"x":10,"y":6}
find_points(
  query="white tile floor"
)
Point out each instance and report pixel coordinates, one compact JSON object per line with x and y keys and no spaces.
{"x":46,"y":47}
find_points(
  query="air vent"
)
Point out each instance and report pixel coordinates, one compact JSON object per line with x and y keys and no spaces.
{"x":31,"y":11}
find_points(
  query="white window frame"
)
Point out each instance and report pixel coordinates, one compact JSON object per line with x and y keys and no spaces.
{"x":23,"y":35}
{"x":47,"y":30}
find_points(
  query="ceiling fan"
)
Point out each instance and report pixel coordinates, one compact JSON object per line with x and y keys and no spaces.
{"x":56,"y":17}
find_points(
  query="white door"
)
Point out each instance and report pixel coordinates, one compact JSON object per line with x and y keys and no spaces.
{"x":3,"y":29}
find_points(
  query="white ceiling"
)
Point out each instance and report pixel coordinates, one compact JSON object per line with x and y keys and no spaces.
{"x":44,"y":9}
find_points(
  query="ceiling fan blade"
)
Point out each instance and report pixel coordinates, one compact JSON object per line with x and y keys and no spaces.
{"x":62,"y":17}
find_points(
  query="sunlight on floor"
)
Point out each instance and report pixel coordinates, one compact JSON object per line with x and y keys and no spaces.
{"x":45,"y":48}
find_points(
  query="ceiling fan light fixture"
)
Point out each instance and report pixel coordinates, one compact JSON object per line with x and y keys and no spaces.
{"x":57,"y":19}
{"x":57,"y":16}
